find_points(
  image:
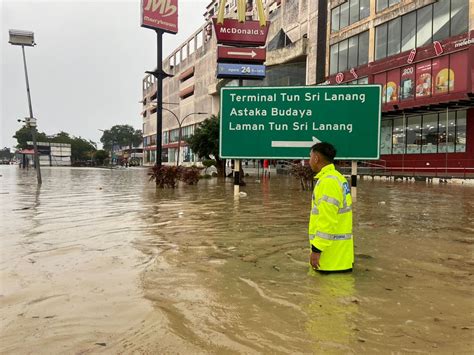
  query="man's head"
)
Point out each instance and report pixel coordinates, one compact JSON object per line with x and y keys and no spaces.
{"x":321,"y":155}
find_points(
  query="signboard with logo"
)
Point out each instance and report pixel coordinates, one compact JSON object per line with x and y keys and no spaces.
{"x":284,"y":122}
{"x":241,"y":54}
{"x":160,"y":15}
{"x":232,"y":70}
{"x":248,"y":33}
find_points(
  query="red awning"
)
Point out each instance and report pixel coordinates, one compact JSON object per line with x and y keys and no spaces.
{"x":27,"y":151}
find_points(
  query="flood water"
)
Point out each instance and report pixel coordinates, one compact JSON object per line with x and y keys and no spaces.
{"x":99,"y":260}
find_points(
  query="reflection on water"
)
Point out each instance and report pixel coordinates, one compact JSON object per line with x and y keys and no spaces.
{"x":99,"y":260}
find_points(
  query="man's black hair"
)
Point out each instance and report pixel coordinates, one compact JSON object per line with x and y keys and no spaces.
{"x":327,"y":150}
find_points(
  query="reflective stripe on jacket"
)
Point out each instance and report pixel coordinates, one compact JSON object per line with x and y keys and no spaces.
{"x":330,"y":223}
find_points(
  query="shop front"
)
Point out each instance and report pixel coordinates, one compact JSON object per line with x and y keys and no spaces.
{"x":427,"y":106}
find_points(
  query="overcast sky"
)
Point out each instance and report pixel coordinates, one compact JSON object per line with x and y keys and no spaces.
{"x":85,"y":72}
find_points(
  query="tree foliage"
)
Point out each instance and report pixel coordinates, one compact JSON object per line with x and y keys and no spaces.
{"x":5,"y":154}
{"x":121,"y":135}
{"x":81,"y":149}
{"x":24,"y":135}
{"x":205,"y":142}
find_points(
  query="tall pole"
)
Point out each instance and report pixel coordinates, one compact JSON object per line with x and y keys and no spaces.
{"x":32,"y":123}
{"x":159,"y":96}
{"x":179,"y":140}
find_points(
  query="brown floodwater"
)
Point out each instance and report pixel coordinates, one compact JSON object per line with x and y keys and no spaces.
{"x":99,"y":260}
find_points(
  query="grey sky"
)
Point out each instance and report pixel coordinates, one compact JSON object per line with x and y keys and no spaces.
{"x":85,"y":73}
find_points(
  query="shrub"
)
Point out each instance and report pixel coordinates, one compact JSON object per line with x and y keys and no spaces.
{"x":189,"y":175}
{"x":305,"y":174}
{"x":168,"y":176}
{"x":164,"y":176}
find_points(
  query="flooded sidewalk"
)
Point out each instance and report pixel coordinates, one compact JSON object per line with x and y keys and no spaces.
{"x":99,"y":260}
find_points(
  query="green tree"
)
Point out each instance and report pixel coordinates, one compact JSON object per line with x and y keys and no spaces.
{"x":121,"y":135}
{"x":24,"y":135}
{"x":5,"y":154}
{"x":100,"y":156}
{"x":205,"y":142}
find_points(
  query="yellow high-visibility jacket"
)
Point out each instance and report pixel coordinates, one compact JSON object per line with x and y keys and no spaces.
{"x":330,"y":223}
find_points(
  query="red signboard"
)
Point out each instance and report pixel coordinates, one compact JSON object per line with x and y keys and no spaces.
{"x":239,"y":54}
{"x":248,"y":33}
{"x":160,"y":15}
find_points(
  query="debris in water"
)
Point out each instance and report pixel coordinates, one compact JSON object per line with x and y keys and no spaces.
{"x":101,"y":344}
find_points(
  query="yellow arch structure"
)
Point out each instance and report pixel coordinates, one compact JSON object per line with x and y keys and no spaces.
{"x":241,"y":9}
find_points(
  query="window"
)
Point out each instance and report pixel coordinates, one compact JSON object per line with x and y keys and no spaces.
{"x":343,"y":55}
{"x":441,"y":20}
{"x":429,"y":135}
{"x":165,"y":137}
{"x":426,"y":134}
{"x":393,"y":36}
{"x":398,"y":138}
{"x":409,"y":31}
{"x":435,"y":22}
{"x":174,"y":135}
{"x":350,"y":53}
{"x":335,"y":13}
{"x":459,"y":17}
{"x":386,"y":137}
{"x":424,"y":26}
{"x":381,"y":41}
{"x":383,"y":4}
{"x":413,"y":135}
{"x":363,"y":48}
{"x":348,"y":13}
{"x":344,"y":19}
{"x":461,"y":131}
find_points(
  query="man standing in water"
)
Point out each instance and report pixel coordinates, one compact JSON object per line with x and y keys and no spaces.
{"x":330,"y":223}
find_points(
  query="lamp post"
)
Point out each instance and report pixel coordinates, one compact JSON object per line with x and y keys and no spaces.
{"x":26,"y":38}
{"x":180,"y":124}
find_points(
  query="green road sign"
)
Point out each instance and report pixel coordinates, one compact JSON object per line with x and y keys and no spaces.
{"x":284,"y":122}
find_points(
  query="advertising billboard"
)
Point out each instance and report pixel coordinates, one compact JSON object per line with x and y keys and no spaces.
{"x":160,"y":15}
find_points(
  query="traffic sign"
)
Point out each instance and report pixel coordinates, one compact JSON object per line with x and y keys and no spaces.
{"x":248,"y":33}
{"x":284,"y":122}
{"x":242,"y":54}
{"x":233,"y":70}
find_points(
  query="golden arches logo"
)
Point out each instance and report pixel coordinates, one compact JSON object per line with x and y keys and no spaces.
{"x":164,"y":7}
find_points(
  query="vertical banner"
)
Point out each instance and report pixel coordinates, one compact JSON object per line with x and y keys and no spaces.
{"x":160,"y":15}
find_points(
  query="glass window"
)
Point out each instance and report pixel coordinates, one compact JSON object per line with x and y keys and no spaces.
{"x":333,"y":59}
{"x":424,"y":26}
{"x":459,"y":17}
{"x":165,"y":137}
{"x":381,"y":5}
{"x":353,"y":51}
{"x":461,"y":131}
{"x":441,"y":20}
{"x":344,"y":20}
{"x":335,"y":19}
{"x":353,"y":11}
{"x":386,"y":137}
{"x":393,"y":2}
{"x":381,"y":41}
{"x":343,"y":55}
{"x":393,"y":39}
{"x":429,"y":136}
{"x":398,"y":136}
{"x":364,"y":48}
{"x":363,"y":81}
{"x":364,"y":9}
{"x":174,"y":135}
{"x":408,"y":31}
{"x":446,"y":136}
{"x":413,"y":135}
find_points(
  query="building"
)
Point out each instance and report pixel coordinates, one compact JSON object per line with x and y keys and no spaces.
{"x":421,"y":53}
{"x":194,"y":88}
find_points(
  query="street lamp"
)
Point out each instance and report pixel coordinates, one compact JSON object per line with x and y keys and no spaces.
{"x":27,"y":38}
{"x":180,"y":124}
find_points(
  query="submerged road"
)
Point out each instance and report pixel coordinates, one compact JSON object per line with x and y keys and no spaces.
{"x":100,"y":261}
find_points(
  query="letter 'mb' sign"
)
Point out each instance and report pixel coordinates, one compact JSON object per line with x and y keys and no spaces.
{"x":160,"y":15}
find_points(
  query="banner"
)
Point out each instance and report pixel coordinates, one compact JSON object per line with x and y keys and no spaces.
{"x":160,"y":15}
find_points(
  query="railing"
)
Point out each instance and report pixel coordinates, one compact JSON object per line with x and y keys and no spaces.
{"x":443,"y":172}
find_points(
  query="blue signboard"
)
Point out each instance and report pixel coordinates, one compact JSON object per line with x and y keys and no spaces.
{"x":230,"y":70}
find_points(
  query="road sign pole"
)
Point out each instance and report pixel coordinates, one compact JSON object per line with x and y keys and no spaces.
{"x":354,"y":181}
{"x":236,"y":177}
